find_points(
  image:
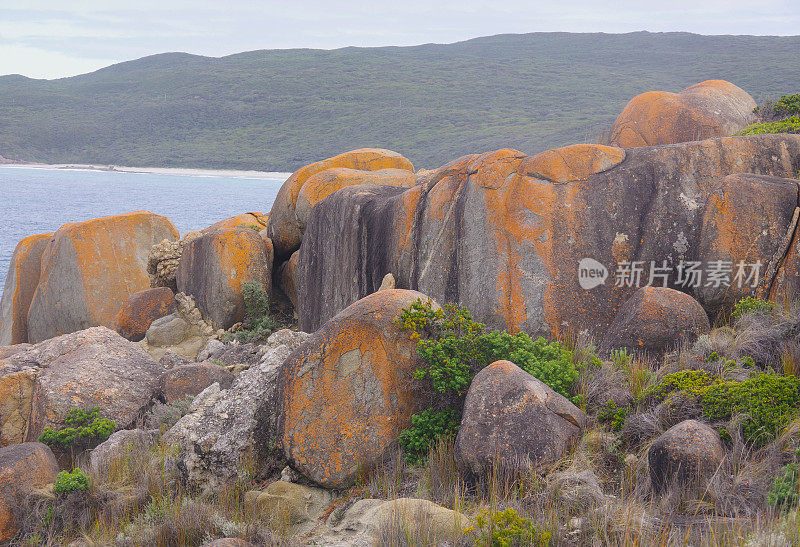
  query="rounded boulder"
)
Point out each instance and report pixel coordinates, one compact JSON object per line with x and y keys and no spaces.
{"x":141,"y":309}
{"x":655,"y":320}
{"x":344,"y":396}
{"x":214,"y":267}
{"x":688,"y":453}
{"x":21,"y":282}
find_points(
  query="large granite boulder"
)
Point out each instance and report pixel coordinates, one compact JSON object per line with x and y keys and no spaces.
{"x":220,"y":429}
{"x":714,"y":108}
{"x":90,"y":269}
{"x":655,"y":320}
{"x":89,"y":368}
{"x":189,"y":380}
{"x":127,"y":443}
{"x":141,"y":309}
{"x":312,"y":183}
{"x":514,"y":422}
{"x":344,"y":396}
{"x":214,"y":267}
{"x":23,"y":467}
{"x":511,"y":237}
{"x":21,"y":282}
{"x":252,"y":220}
{"x":687,"y":454}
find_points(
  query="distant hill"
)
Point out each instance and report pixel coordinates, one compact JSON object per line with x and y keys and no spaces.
{"x":280,"y":109}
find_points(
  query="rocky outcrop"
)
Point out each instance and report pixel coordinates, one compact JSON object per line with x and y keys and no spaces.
{"x":312,"y":183}
{"x":90,"y":269}
{"x":288,"y":503}
{"x":21,"y":282}
{"x":253,"y":220}
{"x":220,"y":428}
{"x":344,"y":396}
{"x":214,"y":267}
{"x":686,"y":454}
{"x":494,"y":233}
{"x":23,"y":467}
{"x":655,"y":320}
{"x":141,"y":309}
{"x":164,"y":258}
{"x":515,"y":422}
{"x":714,"y":108}
{"x":189,"y":380}
{"x":127,"y":443}
{"x":93,"y":367}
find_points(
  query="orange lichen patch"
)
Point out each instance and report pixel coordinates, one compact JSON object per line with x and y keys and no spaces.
{"x":348,"y":392}
{"x":574,"y":162}
{"x":324,"y":183}
{"x":255,"y":220}
{"x":16,"y":392}
{"x":713,"y":108}
{"x":235,"y":251}
{"x":141,"y":309}
{"x":23,"y":278}
{"x":408,"y":213}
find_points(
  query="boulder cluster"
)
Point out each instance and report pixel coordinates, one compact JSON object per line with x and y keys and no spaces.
{"x":122,"y":314}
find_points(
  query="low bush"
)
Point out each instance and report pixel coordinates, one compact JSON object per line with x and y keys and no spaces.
{"x":85,"y":429}
{"x":749,"y":305}
{"x":258,"y":324}
{"x":67,"y":482}
{"x":507,"y":528}
{"x":788,"y":105}
{"x":787,"y":125}
{"x":426,"y":427}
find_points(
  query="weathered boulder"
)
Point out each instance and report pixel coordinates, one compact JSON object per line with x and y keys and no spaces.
{"x":288,"y":503}
{"x":127,"y":443}
{"x":214,"y":267}
{"x":141,"y":309}
{"x":714,"y":108}
{"x":287,"y":277}
{"x":90,"y":269}
{"x":164,"y":258}
{"x":687,"y":454}
{"x":167,"y":331}
{"x":344,"y":396}
{"x":252,"y":220}
{"x":178,"y":382}
{"x":220,"y":428}
{"x":491,"y":232}
{"x":515,"y":422}
{"x":655,"y":320}
{"x":21,"y":282}
{"x":23,"y":467}
{"x":312,"y":183}
{"x":93,"y":367}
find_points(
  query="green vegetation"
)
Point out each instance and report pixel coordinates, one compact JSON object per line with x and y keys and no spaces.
{"x":281,"y":109}
{"x":788,"y":105}
{"x":787,"y":125}
{"x":693,"y":382}
{"x":85,"y":429}
{"x":507,"y":528}
{"x":258,"y":323}
{"x":455,"y":348}
{"x":67,"y":482}
{"x":613,"y":415}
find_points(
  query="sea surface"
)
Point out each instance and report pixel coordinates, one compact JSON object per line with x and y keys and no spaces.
{"x":39,"y":200}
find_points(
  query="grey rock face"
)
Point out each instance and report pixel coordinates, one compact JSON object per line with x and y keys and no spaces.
{"x":166,"y":331}
{"x":688,"y":453}
{"x":121,"y":444}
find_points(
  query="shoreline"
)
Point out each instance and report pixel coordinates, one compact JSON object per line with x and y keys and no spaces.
{"x":178,"y":171}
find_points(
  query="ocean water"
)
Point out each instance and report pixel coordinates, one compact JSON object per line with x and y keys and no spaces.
{"x":34,"y":201}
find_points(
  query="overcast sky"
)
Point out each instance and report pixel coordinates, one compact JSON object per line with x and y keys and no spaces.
{"x":56,"y":38}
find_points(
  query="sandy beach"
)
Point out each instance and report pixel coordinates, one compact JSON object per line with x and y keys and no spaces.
{"x":185,"y":172}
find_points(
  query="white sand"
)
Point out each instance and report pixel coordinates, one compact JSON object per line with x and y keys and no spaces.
{"x":228,"y":173}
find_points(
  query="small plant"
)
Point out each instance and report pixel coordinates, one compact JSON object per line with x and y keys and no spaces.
{"x":749,"y":305}
{"x":784,"y":492}
{"x":67,"y":482}
{"x":613,"y":415}
{"x":84,"y":430}
{"x":620,"y":357}
{"x":258,"y":323}
{"x":507,"y":528}
{"x":426,"y":428}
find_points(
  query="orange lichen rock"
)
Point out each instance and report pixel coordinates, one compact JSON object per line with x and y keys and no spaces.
{"x":348,"y":391}
{"x":214,"y":267}
{"x":288,"y":278}
{"x":254,"y":220}
{"x":287,"y":224}
{"x":90,"y":269}
{"x":23,"y":467}
{"x":141,"y":309}
{"x":574,"y":162}
{"x":21,"y":282}
{"x":714,"y":108}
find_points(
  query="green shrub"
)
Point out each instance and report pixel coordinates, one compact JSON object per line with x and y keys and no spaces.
{"x":784,"y":492}
{"x":751,"y":305}
{"x":507,"y":528}
{"x":67,"y":482}
{"x":787,"y":125}
{"x":788,"y":105}
{"x":258,"y":324}
{"x":613,"y":415}
{"x":85,"y":430}
{"x":690,"y":381}
{"x":426,"y":428}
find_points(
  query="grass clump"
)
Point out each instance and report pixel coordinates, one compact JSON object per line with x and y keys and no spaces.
{"x":258,"y":324}
{"x":454,"y":348}
{"x":66,"y":482}
{"x":751,"y":304}
{"x":85,"y":429}
{"x":507,"y":528}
